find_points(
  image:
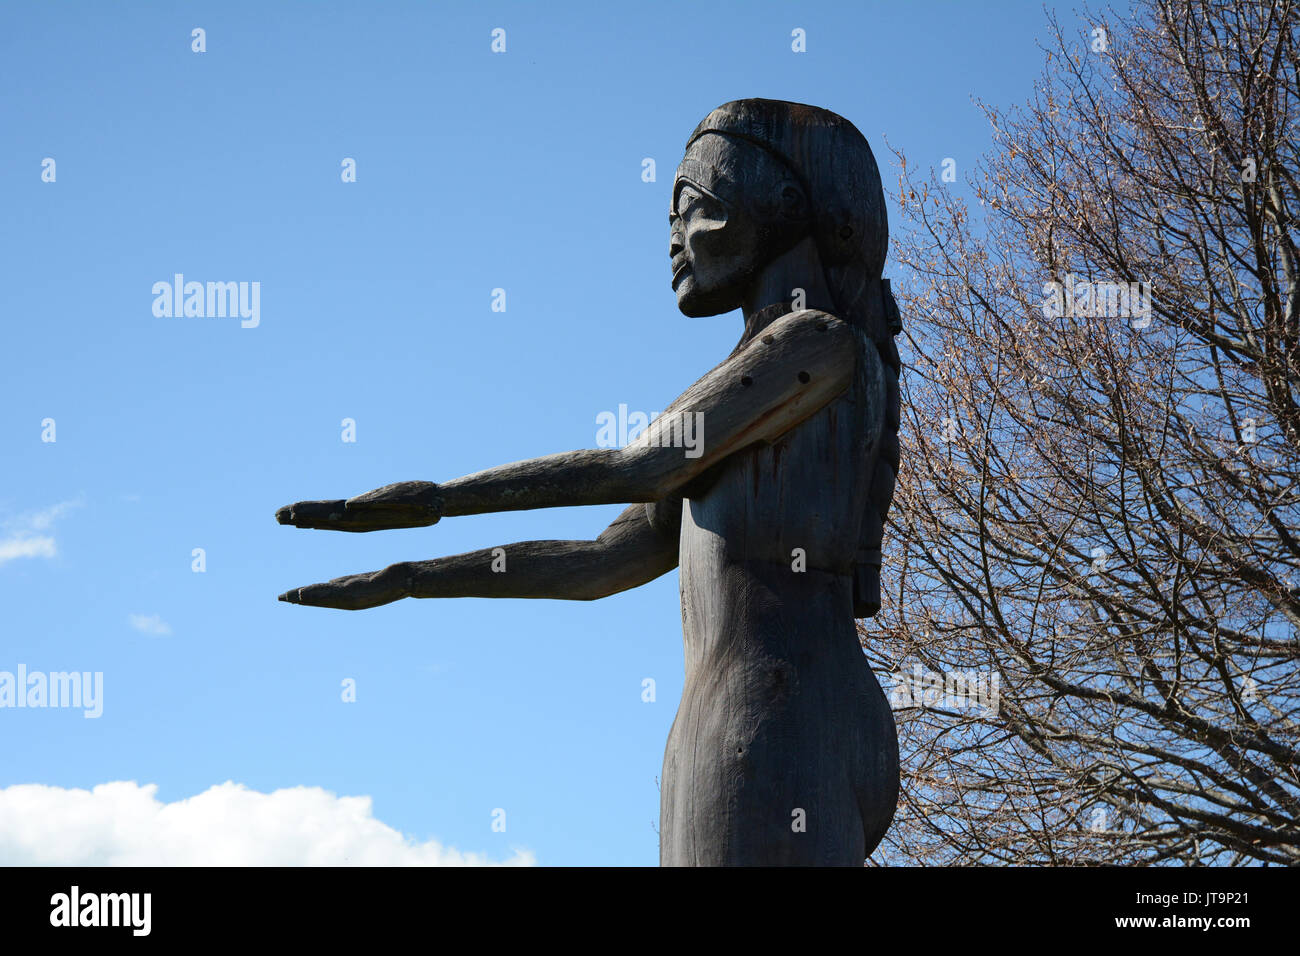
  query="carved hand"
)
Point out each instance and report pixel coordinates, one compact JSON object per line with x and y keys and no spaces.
{"x":406,"y":504}
{"x":355,"y":592}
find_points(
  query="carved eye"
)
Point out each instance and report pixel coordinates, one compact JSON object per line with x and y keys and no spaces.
{"x":683,"y":201}
{"x":690,"y":200}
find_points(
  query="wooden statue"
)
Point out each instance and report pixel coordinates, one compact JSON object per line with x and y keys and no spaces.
{"x":784,"y":748}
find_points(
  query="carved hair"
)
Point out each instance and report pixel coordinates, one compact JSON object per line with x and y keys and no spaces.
{"x":833,"y":164}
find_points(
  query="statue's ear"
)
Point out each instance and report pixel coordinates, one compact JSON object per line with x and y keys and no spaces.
{"x":791,"y":201}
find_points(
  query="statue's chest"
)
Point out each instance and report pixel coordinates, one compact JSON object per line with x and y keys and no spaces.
{"x":807,"y":490}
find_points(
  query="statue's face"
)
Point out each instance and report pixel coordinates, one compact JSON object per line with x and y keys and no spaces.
{"x":715,"y":245}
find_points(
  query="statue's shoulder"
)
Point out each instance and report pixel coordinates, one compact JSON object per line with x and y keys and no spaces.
{"x":811,"y":315}
{"x":848,"y":334}
{"x":793,"y":334}
{"x":809,"y":319}
{"x":819,"y":321}
{"x":815,"y":320}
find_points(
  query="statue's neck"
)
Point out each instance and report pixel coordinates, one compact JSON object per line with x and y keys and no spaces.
{"x":772,"y":293}
{"x":756,"y":322}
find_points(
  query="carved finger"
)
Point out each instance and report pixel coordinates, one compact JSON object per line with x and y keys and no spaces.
{"x":313,"y":514}
{"x":355,"y":592}
{"x":407,"y":504}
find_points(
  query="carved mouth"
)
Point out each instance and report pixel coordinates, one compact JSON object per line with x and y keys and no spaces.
{"x":680,"y":273}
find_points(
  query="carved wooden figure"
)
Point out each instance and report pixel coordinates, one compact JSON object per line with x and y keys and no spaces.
{"x":784,"y":748}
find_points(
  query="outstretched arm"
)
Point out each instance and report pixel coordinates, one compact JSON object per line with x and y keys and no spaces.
{"x":639,"y":546}
{"x":800,"y":363}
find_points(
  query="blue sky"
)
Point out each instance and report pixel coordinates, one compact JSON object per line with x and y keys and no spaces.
{"x":475,"y":170}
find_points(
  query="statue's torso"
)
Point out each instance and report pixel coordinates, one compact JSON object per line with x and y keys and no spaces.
{"x":779,"y":706}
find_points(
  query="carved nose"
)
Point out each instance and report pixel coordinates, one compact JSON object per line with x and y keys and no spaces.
{"x":675,"y":246}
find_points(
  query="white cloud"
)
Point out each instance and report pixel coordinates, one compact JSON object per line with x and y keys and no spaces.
{"x":21,"y":540}
{"x":19,"y":546}
{"x":124,"y":824}
{"x":150,"y":624}
{"x":41,"y":520}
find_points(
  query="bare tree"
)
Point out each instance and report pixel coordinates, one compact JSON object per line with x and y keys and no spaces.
{"x":1097,"y":511}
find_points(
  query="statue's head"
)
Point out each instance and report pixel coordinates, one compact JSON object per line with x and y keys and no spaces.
{"x":758,"y":177}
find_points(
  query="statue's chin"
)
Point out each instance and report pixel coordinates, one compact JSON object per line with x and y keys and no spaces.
{"x":694,"y":305}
